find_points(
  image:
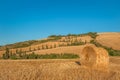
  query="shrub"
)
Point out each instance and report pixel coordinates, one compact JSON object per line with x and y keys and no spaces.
{"x":68,"y":56}
{"x":72,"y":35}
{"x":14,"y":57}
{"x":55,"y":36}
{"x":32,"y":56}
{"x":77,"y":43}
{"x":43,"y":47}
{"x":47,"y":47}
{"x":30,"y":49}
{"x":113,"y":52}
{"x":92,"y":34}
{"x":58,"y":56}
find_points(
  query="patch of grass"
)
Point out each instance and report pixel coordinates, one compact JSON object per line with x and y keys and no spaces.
{"x":13,"y":57}
{"x":77,"y":43}
{"x":113,"y":52}
{"x":51,"y":56}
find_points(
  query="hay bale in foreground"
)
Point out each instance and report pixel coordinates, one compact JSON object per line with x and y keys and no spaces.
{"x":94,"y":57}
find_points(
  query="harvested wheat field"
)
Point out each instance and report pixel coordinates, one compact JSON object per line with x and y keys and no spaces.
{"x":110,"y":40}
{"x":55,"y":69}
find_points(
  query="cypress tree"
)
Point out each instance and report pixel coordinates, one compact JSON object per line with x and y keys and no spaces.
{"x":46,"y":46}
{"x":6,"y":55}
{"x":38,"y":48}
{"x":30,"y":49}
{"x":42,"y":46}
{"x":54,"y":45}
{"x":16,"y":51}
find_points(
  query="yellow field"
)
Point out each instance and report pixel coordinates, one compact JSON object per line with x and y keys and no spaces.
{"x":55,"y":70}
{"x":110,"y":40}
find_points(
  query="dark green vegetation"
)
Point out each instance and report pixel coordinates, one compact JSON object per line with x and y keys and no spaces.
{"x":7,"y":54}
{"x":23,"y":55}
{"x":51,"y":56}
{"x":76,"y":44}
{"x":113,"y":52}
{"x":92,"y":34}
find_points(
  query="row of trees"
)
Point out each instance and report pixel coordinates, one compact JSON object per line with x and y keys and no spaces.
{"x":46,"y":47}
{"x":42,"y":47}
{"x":50,"y":38}
{"x":24,"y":55}
{"x":92,"y":34}
{"x":59,"y":45}
{"x":9,"y":54}
{"x":53,"y":46}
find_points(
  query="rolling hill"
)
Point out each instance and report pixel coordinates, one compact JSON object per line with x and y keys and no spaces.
{"x":71,"y":43}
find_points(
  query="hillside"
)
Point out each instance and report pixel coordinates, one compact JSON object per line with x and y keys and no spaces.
{"x":110,"y":40}
{"x":71,"y":43}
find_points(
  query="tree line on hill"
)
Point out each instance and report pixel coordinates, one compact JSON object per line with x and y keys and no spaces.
{"x":46,"y":46}
{"x":50,"y":38}
{"x":68,"y":39}
{"x":24,"y":55}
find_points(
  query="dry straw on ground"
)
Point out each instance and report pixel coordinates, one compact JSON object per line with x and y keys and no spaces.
{"x":55,"y":69}
{"x":94,"y":57}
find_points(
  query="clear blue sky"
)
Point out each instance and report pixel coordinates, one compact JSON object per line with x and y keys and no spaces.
{"x":22,"y":20}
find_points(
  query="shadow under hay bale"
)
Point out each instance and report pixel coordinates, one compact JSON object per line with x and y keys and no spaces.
{"x":77,"y":62}
{"x":94,"y":57}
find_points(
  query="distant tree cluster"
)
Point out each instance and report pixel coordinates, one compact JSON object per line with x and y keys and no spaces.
{"x":77,"y":43}
{"x":92,"y":34}
{"x":53,"y":36}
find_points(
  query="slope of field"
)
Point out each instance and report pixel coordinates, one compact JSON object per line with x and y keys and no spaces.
{"x":59,"y":50}
{"x":110,"y":40}
{"x":55,"y":70}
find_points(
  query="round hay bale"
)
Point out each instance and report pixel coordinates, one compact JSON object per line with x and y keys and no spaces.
{"x":93,"y":56}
